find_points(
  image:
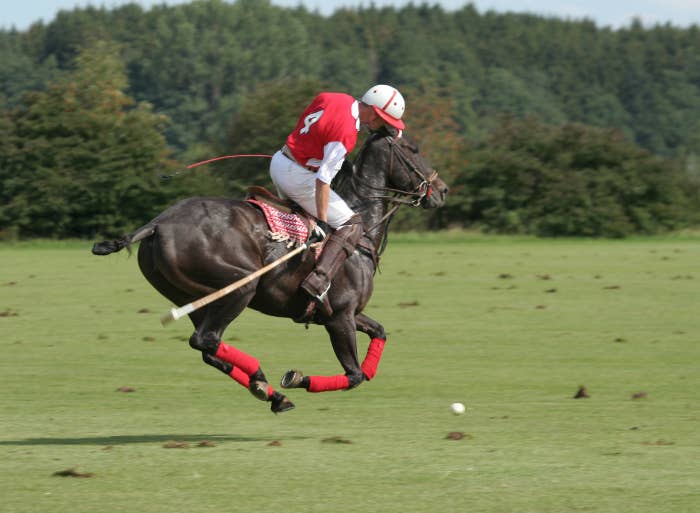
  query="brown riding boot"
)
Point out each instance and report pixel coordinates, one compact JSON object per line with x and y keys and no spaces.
{"x":338,"y":247}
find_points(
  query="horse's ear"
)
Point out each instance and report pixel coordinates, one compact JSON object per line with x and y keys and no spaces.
{"x":404,"y":142}
{"x":388,"y":131}
{"x":394,"y":132}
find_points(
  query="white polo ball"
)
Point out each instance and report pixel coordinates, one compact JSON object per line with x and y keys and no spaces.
{"x":457,"y":408}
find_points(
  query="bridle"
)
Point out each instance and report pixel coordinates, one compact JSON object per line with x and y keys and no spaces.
{"x":402,"y":197}
{"x":423,"y":190}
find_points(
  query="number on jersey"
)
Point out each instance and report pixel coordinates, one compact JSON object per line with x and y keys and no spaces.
{"x":310,"y":120}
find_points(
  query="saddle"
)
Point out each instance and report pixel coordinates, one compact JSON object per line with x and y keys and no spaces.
{"x":287,"y":221}
{"x":261,"y":194}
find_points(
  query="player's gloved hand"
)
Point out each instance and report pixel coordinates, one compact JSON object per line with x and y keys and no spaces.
{"x":320,"y":231}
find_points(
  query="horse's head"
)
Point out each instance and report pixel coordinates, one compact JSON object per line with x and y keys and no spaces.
{"x":388,"y":170}
{"x":411,"y":178}
{"x":391,"y":168}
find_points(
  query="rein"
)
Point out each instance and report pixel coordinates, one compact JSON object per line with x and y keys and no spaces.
{"x":422,"y":190}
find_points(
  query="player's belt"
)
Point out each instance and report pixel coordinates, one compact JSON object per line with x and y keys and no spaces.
{"x":288,"y":153}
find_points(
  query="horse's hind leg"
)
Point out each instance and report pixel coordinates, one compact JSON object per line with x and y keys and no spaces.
{"x":279,"y":402}
{"x":243,"y":368}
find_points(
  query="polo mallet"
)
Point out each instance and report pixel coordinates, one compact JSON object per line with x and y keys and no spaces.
{"x":176,"y":313}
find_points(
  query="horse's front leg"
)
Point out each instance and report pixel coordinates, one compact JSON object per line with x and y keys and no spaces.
{"x":376,"y":345}
{"x":341,"y":329}
{"x":345,"y":347}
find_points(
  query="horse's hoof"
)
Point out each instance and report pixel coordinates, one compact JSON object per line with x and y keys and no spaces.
{"x":292,"y":379}
{"x":280,"y":403}
{"x":259,"y":389}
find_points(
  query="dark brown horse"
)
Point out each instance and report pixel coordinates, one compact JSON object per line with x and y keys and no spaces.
{"x":201,"y":245}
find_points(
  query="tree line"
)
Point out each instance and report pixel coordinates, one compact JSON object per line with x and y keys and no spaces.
{"x":539,"y":125}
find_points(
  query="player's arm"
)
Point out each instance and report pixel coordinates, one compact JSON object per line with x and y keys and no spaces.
{"x":323,"y":191}
{"x":333,"y":156}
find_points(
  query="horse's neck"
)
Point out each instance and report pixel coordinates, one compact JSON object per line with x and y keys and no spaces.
{"x":359,"y":191}
{"x":375,"y":225}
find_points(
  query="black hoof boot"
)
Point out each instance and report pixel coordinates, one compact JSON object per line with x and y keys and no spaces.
{"x":258,"y":386}
{"x":280,"y":403}
{"x":292,"y":379}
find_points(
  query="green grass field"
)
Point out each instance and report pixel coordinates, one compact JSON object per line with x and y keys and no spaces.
{"x":510,"y":327}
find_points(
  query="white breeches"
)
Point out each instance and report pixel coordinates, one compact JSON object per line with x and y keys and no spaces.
{"x":299,"y":185}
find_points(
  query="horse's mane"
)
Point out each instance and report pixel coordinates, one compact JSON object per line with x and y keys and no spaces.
{"x":349,"y":168}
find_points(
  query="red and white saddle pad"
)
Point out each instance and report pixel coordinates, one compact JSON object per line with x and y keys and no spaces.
{"x":284,"y":227}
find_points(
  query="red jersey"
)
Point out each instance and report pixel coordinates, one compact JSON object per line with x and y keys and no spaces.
{"x":330,"y":117}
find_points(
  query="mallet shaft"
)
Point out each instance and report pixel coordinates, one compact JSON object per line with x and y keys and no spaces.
{"x":176,"y":313}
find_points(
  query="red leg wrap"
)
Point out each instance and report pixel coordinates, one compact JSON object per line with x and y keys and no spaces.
{"x":374,"y":354}
{"x":240,"y":376}
{"x":237,"y":358}
{"x":328,"y":383}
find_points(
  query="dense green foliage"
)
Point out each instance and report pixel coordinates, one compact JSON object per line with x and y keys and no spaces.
{"x":573,"y":180}
{"x":211,"y":77}
{"x":78,"y":160}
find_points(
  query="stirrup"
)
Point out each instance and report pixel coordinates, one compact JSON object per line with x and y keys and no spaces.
{"x":317,"y":308}
{"x":321,"y":303}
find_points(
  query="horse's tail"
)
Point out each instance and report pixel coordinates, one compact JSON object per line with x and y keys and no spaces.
{"x":107,"y":247}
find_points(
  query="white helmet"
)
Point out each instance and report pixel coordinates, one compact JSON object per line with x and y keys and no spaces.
{"x":387,"y":103}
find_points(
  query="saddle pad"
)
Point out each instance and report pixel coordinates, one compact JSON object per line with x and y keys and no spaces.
{"x":283,"y":226}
